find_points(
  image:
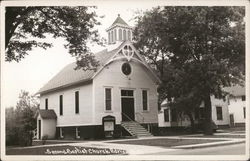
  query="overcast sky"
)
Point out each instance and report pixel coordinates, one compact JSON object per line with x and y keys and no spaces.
{"x":37,"y":68}
{"x":40,"y":66}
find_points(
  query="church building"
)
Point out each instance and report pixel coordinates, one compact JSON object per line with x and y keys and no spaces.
{"x":119,"y":98}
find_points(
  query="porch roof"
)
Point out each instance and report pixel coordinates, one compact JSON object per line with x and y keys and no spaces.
{"x":47,"y":114}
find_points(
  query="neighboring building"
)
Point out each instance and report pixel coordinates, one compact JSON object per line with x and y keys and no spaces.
{"x":220,"y":115}
{"x":121,"y":95}
{"x":237,"y":105}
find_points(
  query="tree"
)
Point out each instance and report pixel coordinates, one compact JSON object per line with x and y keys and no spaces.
{"x":75,"y":24}
{"x":204,"y":46}
{"x":20,"y":122}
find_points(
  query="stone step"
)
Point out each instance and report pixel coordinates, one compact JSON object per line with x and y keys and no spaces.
{"x":136,"y":129}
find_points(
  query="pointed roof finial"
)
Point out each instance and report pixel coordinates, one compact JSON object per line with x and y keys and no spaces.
{"x":119,"y":20}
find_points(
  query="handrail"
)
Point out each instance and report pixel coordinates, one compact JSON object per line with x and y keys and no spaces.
{"x":140,"y":116}
{"x":130,"y":118}
{"x":127,"y":116}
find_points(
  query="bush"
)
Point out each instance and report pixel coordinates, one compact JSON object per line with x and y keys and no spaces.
{"x":44,"y":139}
{"x":20,"y":121}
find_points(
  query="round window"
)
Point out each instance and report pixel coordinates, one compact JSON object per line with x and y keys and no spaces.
{"x":126,"y":68}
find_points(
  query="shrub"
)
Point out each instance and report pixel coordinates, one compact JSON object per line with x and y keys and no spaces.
{"x":44,"y":139}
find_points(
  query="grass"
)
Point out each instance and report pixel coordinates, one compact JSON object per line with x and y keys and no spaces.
{"x":48,"y":142}
{"x":221,"y":136}
{"x":167,"y":142}
{"x":64,"y":150}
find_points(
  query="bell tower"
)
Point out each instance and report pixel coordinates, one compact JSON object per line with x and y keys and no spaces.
{"x":119,"y":31}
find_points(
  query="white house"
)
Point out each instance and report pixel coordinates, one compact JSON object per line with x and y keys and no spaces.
{"x":237,"y":105}
{"x":220,"y":115}
{"x":117,"y":98}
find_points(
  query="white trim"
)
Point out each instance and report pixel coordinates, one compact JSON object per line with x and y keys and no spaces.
{"x":72,"y":125}
{"x":93,"y":102}
{"x":134,"y":91}
{"x":142,"y":61}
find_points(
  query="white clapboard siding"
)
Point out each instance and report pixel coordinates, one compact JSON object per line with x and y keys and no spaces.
{"x":69,"y":117}
{"x":112,"y":76}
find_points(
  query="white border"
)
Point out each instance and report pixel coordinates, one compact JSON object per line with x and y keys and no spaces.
{"x":140,"y":2}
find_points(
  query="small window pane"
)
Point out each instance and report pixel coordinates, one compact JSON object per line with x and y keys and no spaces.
{"x":166,"y":115}
{"x":108,"y":98}
{"x":243,"y":98}
{"x":115,"y":35}
{"x":244,"y":112}
{"x":129,"y":35}
{"x":61,"y":104}
{"x":78,"y":132}
{"x":46,"y":104}
{"x":145,"y":100}
{"x":124,"y":35}
{"x":120,"y":34}
{"x":219,"y":113}
{"x":127,"y":92}
{"x":77,"y":102}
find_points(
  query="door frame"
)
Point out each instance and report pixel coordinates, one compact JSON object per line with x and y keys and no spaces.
{"x":134,"y":91}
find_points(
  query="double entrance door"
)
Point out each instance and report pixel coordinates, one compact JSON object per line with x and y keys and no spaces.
{"x":127,"y":102}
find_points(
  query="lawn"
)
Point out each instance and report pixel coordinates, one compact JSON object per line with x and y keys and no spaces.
{"x":166,"y":142}
{"x":221,"y":136}
{"x":64,"y":150}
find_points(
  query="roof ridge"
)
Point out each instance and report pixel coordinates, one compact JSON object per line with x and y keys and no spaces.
{"x":119,"y":20}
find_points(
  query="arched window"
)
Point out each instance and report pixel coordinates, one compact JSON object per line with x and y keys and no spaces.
{"x":115,"y":38}
{"x":112,"y":37}
{"x":129,"y":35}
{"x":124,"y":35}
{"x":120,"y":34}
{"x":109,"y":38}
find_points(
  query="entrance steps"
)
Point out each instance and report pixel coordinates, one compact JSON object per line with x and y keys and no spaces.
{"x":135,"y":129}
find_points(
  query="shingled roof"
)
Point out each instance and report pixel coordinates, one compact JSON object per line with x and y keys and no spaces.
{"x":69,"y":76}
{"x":47,"y":114}
{"x":119,"y":20}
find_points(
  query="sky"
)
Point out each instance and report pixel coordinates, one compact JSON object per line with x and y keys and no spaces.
{"x":37,"y":68}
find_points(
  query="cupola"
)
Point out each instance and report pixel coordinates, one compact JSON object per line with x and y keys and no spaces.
{"x":119,"y":31}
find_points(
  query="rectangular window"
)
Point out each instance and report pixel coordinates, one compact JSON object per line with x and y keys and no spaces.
{"x":127,"y":93}
{"x":145,"y":100}
{"x":78,"y":133}
{"x":61,"y":104}
{"x":219,"y":113}
{"x":243,"y":98}
{"x":77,"y":102}
{"x":61,"y":132}
{"x":244,"y":112}
{"x":108,"y":99}
{"x":201,"y":113}
{"x":46,"y":104}
{"x":173,"y":115}
{"x":166,"y":115}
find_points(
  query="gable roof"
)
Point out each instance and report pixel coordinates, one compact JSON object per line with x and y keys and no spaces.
{"x":69,"y":76}
{"x":47,"y":114}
